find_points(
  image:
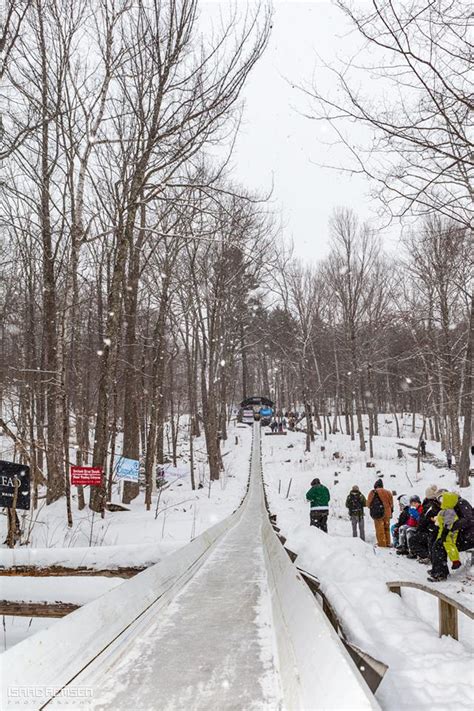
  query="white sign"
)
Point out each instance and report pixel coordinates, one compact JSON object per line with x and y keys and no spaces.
{"x":169,"y":472}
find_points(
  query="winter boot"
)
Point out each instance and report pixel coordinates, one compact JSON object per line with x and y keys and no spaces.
{"x":402,"y":551}
{"x":437,"y":578}
{"x":456,"y":564}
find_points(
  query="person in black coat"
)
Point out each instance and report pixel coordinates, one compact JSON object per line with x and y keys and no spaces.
{"x":465,"y":540}
{"x":422,"y":540}
{"x":404,"y":503}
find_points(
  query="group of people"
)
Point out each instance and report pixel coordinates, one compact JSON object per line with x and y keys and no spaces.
{"x":278,"y":425}
{"x":282,"y":420}
{"x":433,"y":530}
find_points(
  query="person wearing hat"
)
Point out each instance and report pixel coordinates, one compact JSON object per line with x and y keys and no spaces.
{"x":318,"y":497}
{"x":404,"y":503}
{"x":461,"y":528}
{"x":422,"y":540}
{"x":422,"y":447}
{"x":415,"y":510}
{"x":380,"y":503}
{"x":355,"y":503}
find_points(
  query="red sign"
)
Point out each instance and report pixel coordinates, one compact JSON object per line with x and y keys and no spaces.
{"x":86,"y":476}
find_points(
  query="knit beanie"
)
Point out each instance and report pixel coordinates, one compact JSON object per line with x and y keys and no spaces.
{"x":355,"y":488}
{"x":378,"y":484}
{"x":430,"y":492}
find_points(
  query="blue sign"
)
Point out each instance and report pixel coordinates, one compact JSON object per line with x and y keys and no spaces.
{"x":128,"y":469}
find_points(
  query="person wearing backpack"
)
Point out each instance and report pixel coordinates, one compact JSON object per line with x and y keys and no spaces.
{"x":380,"y":503}
{"x":355,"y":503}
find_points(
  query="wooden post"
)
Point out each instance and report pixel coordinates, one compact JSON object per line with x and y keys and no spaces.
{"x":329,"y":612}
{"x":448,"y":619}
{"x":291,"y":554}
{"x":12,"y":518}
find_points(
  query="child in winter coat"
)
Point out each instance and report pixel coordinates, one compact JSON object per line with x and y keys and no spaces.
{"x":415,"y":510}
{"x":355,"y":503}
{"x":404,"y":503}
{"x":445,"y":520}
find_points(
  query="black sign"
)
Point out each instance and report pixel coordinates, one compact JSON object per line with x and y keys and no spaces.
{"x":14,"y":476}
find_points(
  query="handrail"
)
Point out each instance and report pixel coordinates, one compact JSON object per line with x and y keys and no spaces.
{"x":448,"y":607}
{"x":373,"y":670}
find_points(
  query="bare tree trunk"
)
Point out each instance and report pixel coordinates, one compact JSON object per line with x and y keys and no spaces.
{"x":467,"y":405}
{"x":54,"y":449}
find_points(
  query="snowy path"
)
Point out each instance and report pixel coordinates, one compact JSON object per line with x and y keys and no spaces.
{"x":223,"y":656}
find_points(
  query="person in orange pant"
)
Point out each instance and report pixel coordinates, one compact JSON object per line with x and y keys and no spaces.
{"x":380,"y":505}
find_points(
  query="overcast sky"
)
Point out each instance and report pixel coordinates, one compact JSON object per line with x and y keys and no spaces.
{"x":277,"y":145}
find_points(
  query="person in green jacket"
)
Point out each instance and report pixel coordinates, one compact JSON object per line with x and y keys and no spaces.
{"x":318,"y":497}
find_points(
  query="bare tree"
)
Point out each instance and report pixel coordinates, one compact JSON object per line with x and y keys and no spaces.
{"x":418,"y":111}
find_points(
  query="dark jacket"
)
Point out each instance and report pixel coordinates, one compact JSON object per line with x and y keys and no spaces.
{"x":318,"y":496}
{"x":465,"y":522}
{"x":355,"y":502}
{"x":431,"y":508}
{"x":403,"y":518}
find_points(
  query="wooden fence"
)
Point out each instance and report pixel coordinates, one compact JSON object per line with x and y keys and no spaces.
{"x":448,"y":608}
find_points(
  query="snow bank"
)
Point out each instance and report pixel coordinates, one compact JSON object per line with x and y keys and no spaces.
{"x":99,"y":557}
{"x":428,"y":671}
{"x":315,"y":667}
{"x":382,"y":624}
{"x":78,"y":591}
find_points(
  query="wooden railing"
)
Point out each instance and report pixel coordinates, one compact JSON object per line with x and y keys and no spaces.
{"x":36,"y":609}
{"x":59,"y":570}
{"x":448,"y":608}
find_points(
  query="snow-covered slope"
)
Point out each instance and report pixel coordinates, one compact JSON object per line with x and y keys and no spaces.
{"x":402,"y":632}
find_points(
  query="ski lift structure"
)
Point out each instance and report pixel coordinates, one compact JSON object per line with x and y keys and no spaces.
{"x":255,"y":409}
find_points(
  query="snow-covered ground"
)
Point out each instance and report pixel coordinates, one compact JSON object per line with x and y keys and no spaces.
{"x":402,"y":632}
